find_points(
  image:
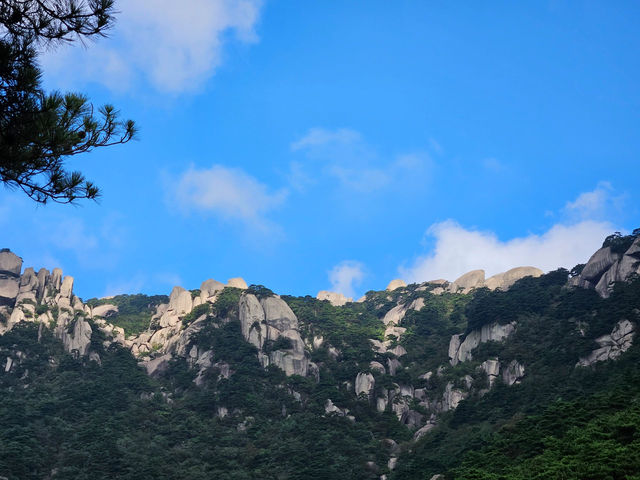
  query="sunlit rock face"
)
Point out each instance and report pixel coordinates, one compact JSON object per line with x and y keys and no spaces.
{"x":460,"y":350}
{"x":10,"y":268}
{"x":606,"y":267}
{"x":613,"y":345}
{"x":335,"y":299}
{"x":270,"y":319}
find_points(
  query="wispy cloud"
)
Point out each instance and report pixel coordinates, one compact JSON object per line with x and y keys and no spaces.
{"x":344,"y":156}
{"x":321,"y":137}
{"x":173,"y":46}
{"x":600,"y":203}
{"x":225,"y":192}
{"x":346,"y":276}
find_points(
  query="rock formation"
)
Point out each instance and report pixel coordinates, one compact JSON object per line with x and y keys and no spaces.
{"x":268,"y":320}
{"x":611,"y":346}
{"x":395,"y":284}
{"x":606,"y":267}
{"x":335,"y":299}
{"x":10,"y":268}
{"x":460,"y":350}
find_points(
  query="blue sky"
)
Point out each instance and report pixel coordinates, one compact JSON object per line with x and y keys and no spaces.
{"x":338,"y":145}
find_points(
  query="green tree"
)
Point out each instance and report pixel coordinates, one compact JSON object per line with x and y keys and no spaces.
{"x":39,"y":130}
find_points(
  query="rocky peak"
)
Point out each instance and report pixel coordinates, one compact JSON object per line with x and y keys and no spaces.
{"x":610,"y":265}
{"x":335,"y":299}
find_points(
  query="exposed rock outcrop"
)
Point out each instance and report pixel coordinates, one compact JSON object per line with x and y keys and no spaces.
{"x":78,"y":340}
{"x":467,"y":282}
{"x":460,"y":350}
{"x":612,"y":345}
{"x":395,"y":284}
{"x":269,"y":319}
{"x":335,"y":299}
{"x":237,"y":282}
{"x":364,"y":384}
{"x":503,"y":281}
{"x":606,"y":267}
{"x":492,"y":368}
{"x":513,"y":373}
{"x":10,"y":268}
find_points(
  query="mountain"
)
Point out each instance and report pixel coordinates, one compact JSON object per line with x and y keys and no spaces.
{"x":521,"y":375}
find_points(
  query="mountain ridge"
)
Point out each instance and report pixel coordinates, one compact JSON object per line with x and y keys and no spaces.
{"x":411,"y":358}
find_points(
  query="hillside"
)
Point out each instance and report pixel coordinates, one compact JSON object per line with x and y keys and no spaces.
{"x":521,"y":375}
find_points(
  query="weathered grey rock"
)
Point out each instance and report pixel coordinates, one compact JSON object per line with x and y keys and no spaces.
{"x":43,"y":277}
{"x":289,"y":361}
{"x":613,"y":345}
{"x":605,"y":268}
{"x":66,"y":288}
{"x":78,"y":340}
{"x":210,"y":288}
{"x":492,"y":368}
{"x":335,"y":299}
{"x":318,"y":341}
{"x":180,"y":301}
{"x":421,"y":432}
{"x":393,"y":365}
{"x":107,"y":310}
{"x":393,"y":331}
{"x":278,"y":314}
{"x":237,"y":282}
{"x":398,"y":351}
{"x":10,"y":263}
{"x":503,"y":281}
{"x":329,"y":408}
{"x":377,"y":367}
{"x":9,"y":288}
{"x":513,"y":373}
{"x":394,"y":315}
{"x":467,"y":282}
{"x":56,"y":279}
{"x":395,"y":284}
{"x":365,"y":383}
{"x":452,"y":397}
{"x":157,"y":366}
{"x":461,"y":351}
{"x":381,"y":404}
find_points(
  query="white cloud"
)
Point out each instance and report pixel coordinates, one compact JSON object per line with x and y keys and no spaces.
{"x":345,"y":276}
{"x":458,"y":250}
{"x":344,"y":155}
{"x":175,"y":46}
{"x":599,"y":203}
{"x":227,"y":192}
{"x":317,"y":137}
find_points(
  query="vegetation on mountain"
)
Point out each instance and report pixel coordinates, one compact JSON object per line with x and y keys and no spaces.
{"x":71,"y":417}
{"x":134,"y":311}
{"x":39,"y":131}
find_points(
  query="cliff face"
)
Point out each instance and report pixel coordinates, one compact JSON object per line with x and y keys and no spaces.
{"x":610,"y":265}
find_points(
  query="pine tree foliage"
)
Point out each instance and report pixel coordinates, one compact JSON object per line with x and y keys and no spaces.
{"x":40,"y":130}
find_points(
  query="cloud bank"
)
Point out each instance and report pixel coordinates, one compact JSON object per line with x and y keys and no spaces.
{"x":173,"y":46}
{"x":345,"y":276}
{"x":458,"y":249}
